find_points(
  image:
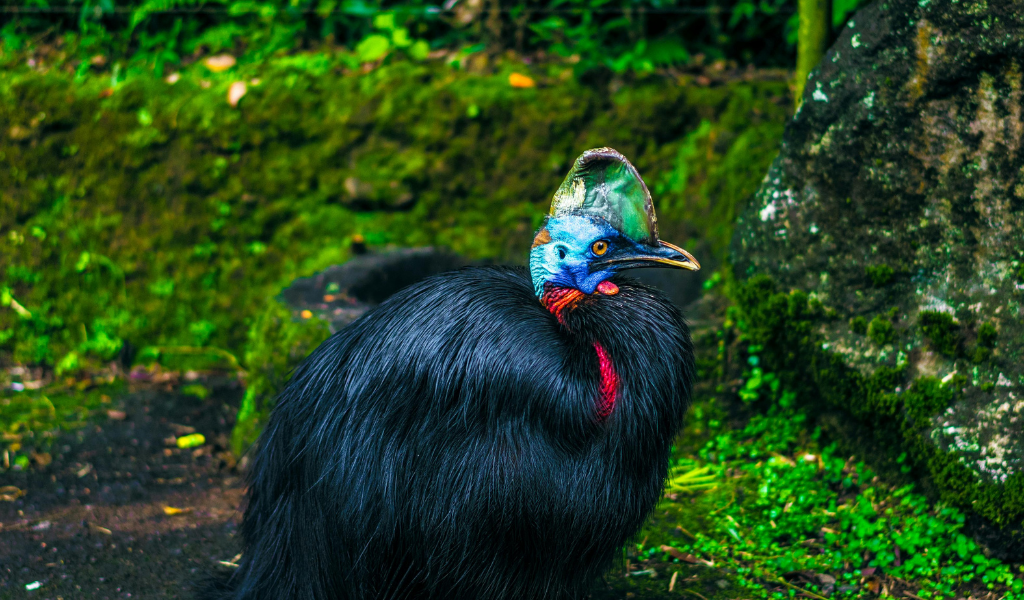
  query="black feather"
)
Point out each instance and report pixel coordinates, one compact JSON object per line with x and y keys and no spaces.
{"x":447,"y":446}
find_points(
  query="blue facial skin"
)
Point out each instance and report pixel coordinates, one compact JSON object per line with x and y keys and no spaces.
{"x":566,"y":260}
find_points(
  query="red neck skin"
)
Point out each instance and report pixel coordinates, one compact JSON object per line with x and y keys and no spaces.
{"x":560,"y":299}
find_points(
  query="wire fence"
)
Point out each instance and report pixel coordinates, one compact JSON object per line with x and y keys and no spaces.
{"x":667,"y":10}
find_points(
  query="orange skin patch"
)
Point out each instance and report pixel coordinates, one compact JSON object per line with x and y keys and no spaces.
{"x":543,"y":237}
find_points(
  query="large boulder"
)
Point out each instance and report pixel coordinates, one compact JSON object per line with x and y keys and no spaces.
{"x":882,"y":260}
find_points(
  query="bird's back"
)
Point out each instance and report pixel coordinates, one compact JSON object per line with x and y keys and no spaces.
{"x":448,"y":445}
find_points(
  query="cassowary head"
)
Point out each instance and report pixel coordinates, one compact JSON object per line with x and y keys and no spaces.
{"x":601,"y":221}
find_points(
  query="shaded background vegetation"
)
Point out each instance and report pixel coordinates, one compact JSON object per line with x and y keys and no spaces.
{"x":616,"y":35}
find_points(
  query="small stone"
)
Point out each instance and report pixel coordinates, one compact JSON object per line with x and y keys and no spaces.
{"x":220,"y":62}
{"x":237,"y":90}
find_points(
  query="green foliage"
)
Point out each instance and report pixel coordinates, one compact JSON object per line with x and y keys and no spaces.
{"x":889,"y":426}
{"x":985,"y":342}
{"x":942,"y":331}
{"x":277,"y":343}
{"x":880,"y":330}
{"x":790,"y":506}
{"x":392,"y":37}
{"x":987,"y":335}
{"x":123,"y":38}
{"x":859,"y":325}
{"x":880,"y":275}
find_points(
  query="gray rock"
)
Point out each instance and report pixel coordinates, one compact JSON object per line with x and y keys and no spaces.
{"x":898,"y":199}
{"x":342,"y":293}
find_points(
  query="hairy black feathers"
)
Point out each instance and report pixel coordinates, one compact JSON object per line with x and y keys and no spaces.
{"x":446,"y":446}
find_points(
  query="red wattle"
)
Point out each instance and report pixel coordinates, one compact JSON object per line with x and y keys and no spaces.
{"x":609,"y":383}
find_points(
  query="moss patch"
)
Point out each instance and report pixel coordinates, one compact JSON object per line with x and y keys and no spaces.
{"x":894,"y":412}
{"x":161,"y":216}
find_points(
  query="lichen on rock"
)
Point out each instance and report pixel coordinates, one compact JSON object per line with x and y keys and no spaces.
{"x":898,"y":201}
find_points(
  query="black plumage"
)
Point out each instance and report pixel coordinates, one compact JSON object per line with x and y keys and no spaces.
{"x":447,"y":445}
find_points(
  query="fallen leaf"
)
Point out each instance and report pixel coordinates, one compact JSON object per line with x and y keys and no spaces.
{"x":116,"y":415}
{"x":517,"y":80}
{"x":107,"y":92}
{"x":19,"y":133}
{"x":97,"y":529}
{"x":171,"y":511}
{"x":191,"y":441}
{"x":9,"y":493}
{"x":84,"y":470}
{"x":220,"y":63}
{"x":236,"y":91}
{"x":42,"y":458}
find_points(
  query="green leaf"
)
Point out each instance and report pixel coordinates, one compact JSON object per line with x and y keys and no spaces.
{"x":162,"y":287}
{"x":385,"y":21}
{"x":420,"y":50}
{"x":400,"y":38}
{"x":68,"y":364}
{"x":83,"y":262}
{"x":373,"y":47}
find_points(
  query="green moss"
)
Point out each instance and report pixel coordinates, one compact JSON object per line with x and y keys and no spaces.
{"x":859,"y":325}
{"x":880,"y":330}
{"x":942,"y":331}
{"x":161,"y":216}
{"x":880,"y":275}
{"x":188,"y":358}
{"x":889,"y":427}
{"x":170,"y":230}
{"x":987,"y":335}
{"x":986,"y":342}
{"x":277,"y":343}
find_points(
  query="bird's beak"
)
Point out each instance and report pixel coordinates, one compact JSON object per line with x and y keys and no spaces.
{"x":664,"y":255}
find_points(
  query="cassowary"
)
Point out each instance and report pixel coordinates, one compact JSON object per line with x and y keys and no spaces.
{"x":489,"y":433}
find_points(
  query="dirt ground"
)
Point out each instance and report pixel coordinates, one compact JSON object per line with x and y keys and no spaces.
{"x":94,"y":523}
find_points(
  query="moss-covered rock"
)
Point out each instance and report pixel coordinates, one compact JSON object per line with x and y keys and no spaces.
{"x":897,"y":209}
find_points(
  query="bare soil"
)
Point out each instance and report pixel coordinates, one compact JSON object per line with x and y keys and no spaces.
{"x":94,"y":522}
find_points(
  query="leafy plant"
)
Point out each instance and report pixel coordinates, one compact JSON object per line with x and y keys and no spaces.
{"x":942,"y":331}
{"x":880,"y":330}
{"x":390,"y":37}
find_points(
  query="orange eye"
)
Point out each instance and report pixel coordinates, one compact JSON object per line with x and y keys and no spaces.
{"x":600,"y":247}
